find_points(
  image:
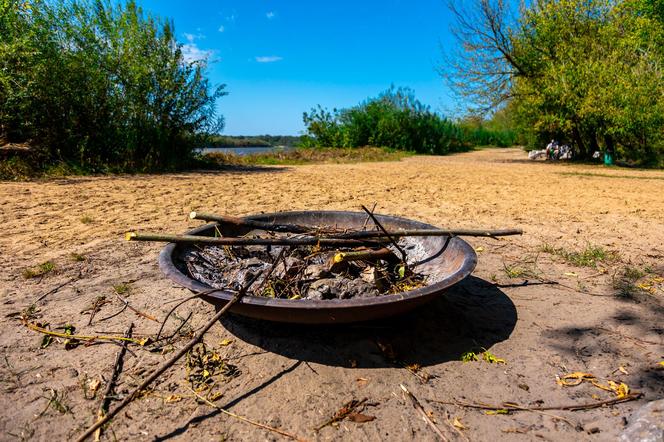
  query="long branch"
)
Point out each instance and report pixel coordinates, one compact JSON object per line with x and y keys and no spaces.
{"x":195,"y":239}
{"x":428,"y":232}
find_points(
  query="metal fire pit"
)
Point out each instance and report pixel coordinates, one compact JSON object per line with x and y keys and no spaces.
{"x":447,"y":264}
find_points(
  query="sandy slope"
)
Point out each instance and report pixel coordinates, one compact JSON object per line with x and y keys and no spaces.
{"x":301,"y":376}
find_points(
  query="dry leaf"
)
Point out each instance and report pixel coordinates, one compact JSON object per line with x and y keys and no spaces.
{"x":173,"y":398}
{"x":93,"y":386}
{"x":362,"y":382}
{"x":623,"y":370}
{"x":479,"y":249}
{"x":360,"y":418}
{"x":573,"y":379}
{"x":457,"y":423}
{"x":571,"y":274}
{"x":225,"y":342}
{"x":620,"y":389}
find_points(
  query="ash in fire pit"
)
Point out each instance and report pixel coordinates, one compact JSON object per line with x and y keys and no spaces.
{"x":309,"y":272}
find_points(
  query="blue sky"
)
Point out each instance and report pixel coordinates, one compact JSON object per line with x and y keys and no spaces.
{"x":281,"y":58}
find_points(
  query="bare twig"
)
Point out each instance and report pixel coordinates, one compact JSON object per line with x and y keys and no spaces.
{"x":416,"y":404}
{"x":364,"y":234}
{"x":244,"y":419}
{"x":166,"y":365}
{"x":380,"y":226}
{"x":55,"y":289}
{"x":512,"y":406}
{"x":45,"y":331}
{"x":341,"y":414}
{"x":301,"y":241}
{"x":366,"y":221}
{"x":138,"y":312}
{"x":117,"y":369}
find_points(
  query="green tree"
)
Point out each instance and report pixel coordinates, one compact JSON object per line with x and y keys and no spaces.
{"x":101,"y":85}
{"x":585,"y":71}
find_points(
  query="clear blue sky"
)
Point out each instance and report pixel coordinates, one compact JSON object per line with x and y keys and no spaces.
{"x":280,"y":58}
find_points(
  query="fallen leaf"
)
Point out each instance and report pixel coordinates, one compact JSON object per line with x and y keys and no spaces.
{"x":623,"y":370}
{"x":620,"y":389}
{"x":661,"y":363}
{"x":492,"y":359}
{"x":479,"y":249}
{"x":571,"y":274}
{"x":225,"y":342}
{"x":362,"y":382}
{"x":499,"y":411}
{"x":173,"y":398}
{"x":93,"y":386}
{"x":457,"y":423}
{"x":573,"y":379}
{"x":360,"y":418}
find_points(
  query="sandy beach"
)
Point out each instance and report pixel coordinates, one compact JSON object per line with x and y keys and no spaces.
{"x":564,"y":319}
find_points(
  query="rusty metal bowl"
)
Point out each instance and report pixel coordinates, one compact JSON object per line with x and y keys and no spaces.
{"x":450,"y":261}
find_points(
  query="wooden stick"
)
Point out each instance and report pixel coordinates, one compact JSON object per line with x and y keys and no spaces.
{"x":244,"y":419}
{"x":117,"y":369}
{"x":416,"y":404}
{"x":244,"y":222}
{"x":427,"y":232}
{"x":195,"y":239}
{"x":166,"y":365}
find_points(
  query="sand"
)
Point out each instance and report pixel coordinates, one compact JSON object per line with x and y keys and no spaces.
{"x":296,"y":378}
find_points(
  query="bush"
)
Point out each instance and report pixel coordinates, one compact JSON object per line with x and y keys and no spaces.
{"x":397,"y":120}
{"x":100,"y":86}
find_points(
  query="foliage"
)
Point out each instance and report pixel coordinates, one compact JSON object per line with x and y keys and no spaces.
{"x":396,"y":119}
{"x":101,"y":86}
{"x":253,"y":141}
{"x":585,"y":72}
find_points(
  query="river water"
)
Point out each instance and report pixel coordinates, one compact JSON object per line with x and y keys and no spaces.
{"x":245,"y":150}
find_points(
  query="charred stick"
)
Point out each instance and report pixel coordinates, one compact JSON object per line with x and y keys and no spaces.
{"x":166,"y":365}
{"x":245,"y":222}
{"x":303,"y":241}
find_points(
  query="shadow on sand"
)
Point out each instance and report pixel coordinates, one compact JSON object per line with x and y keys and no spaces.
{"x":472,"y":314}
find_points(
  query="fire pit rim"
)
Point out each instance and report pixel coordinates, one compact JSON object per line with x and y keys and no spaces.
{"x":167,"y":266}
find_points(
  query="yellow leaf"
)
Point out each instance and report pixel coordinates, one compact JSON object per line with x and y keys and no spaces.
{"x":479,"y":249}
{"x":661,"y":363}
{"x":623,"y":370}
{"x":620,"y":389}
{"x":93,"y":385}
{"x":225,"y":342}
{"x":499,"y":411}
{"x":206,"y":374}
{"x":173,"y":398}
{"x":457,"y":423}
{"x":570,"y":274}
{"x":572,"y":379}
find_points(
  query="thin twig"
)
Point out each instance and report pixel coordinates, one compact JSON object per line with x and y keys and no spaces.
{"x":117,"y":369}
{"x":166,"y":365}
{"x":138,"y":312}
{"x":380,"y":226}
{"x":366,"y":221}
{"x":341,"y":414}
{"x":244,"y":419}
{"x":416,"y":404}
{"x":512,"y":406}
{"x":45,"y":331}
{"x":245,"y":222}
{"x":55,"y":289}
